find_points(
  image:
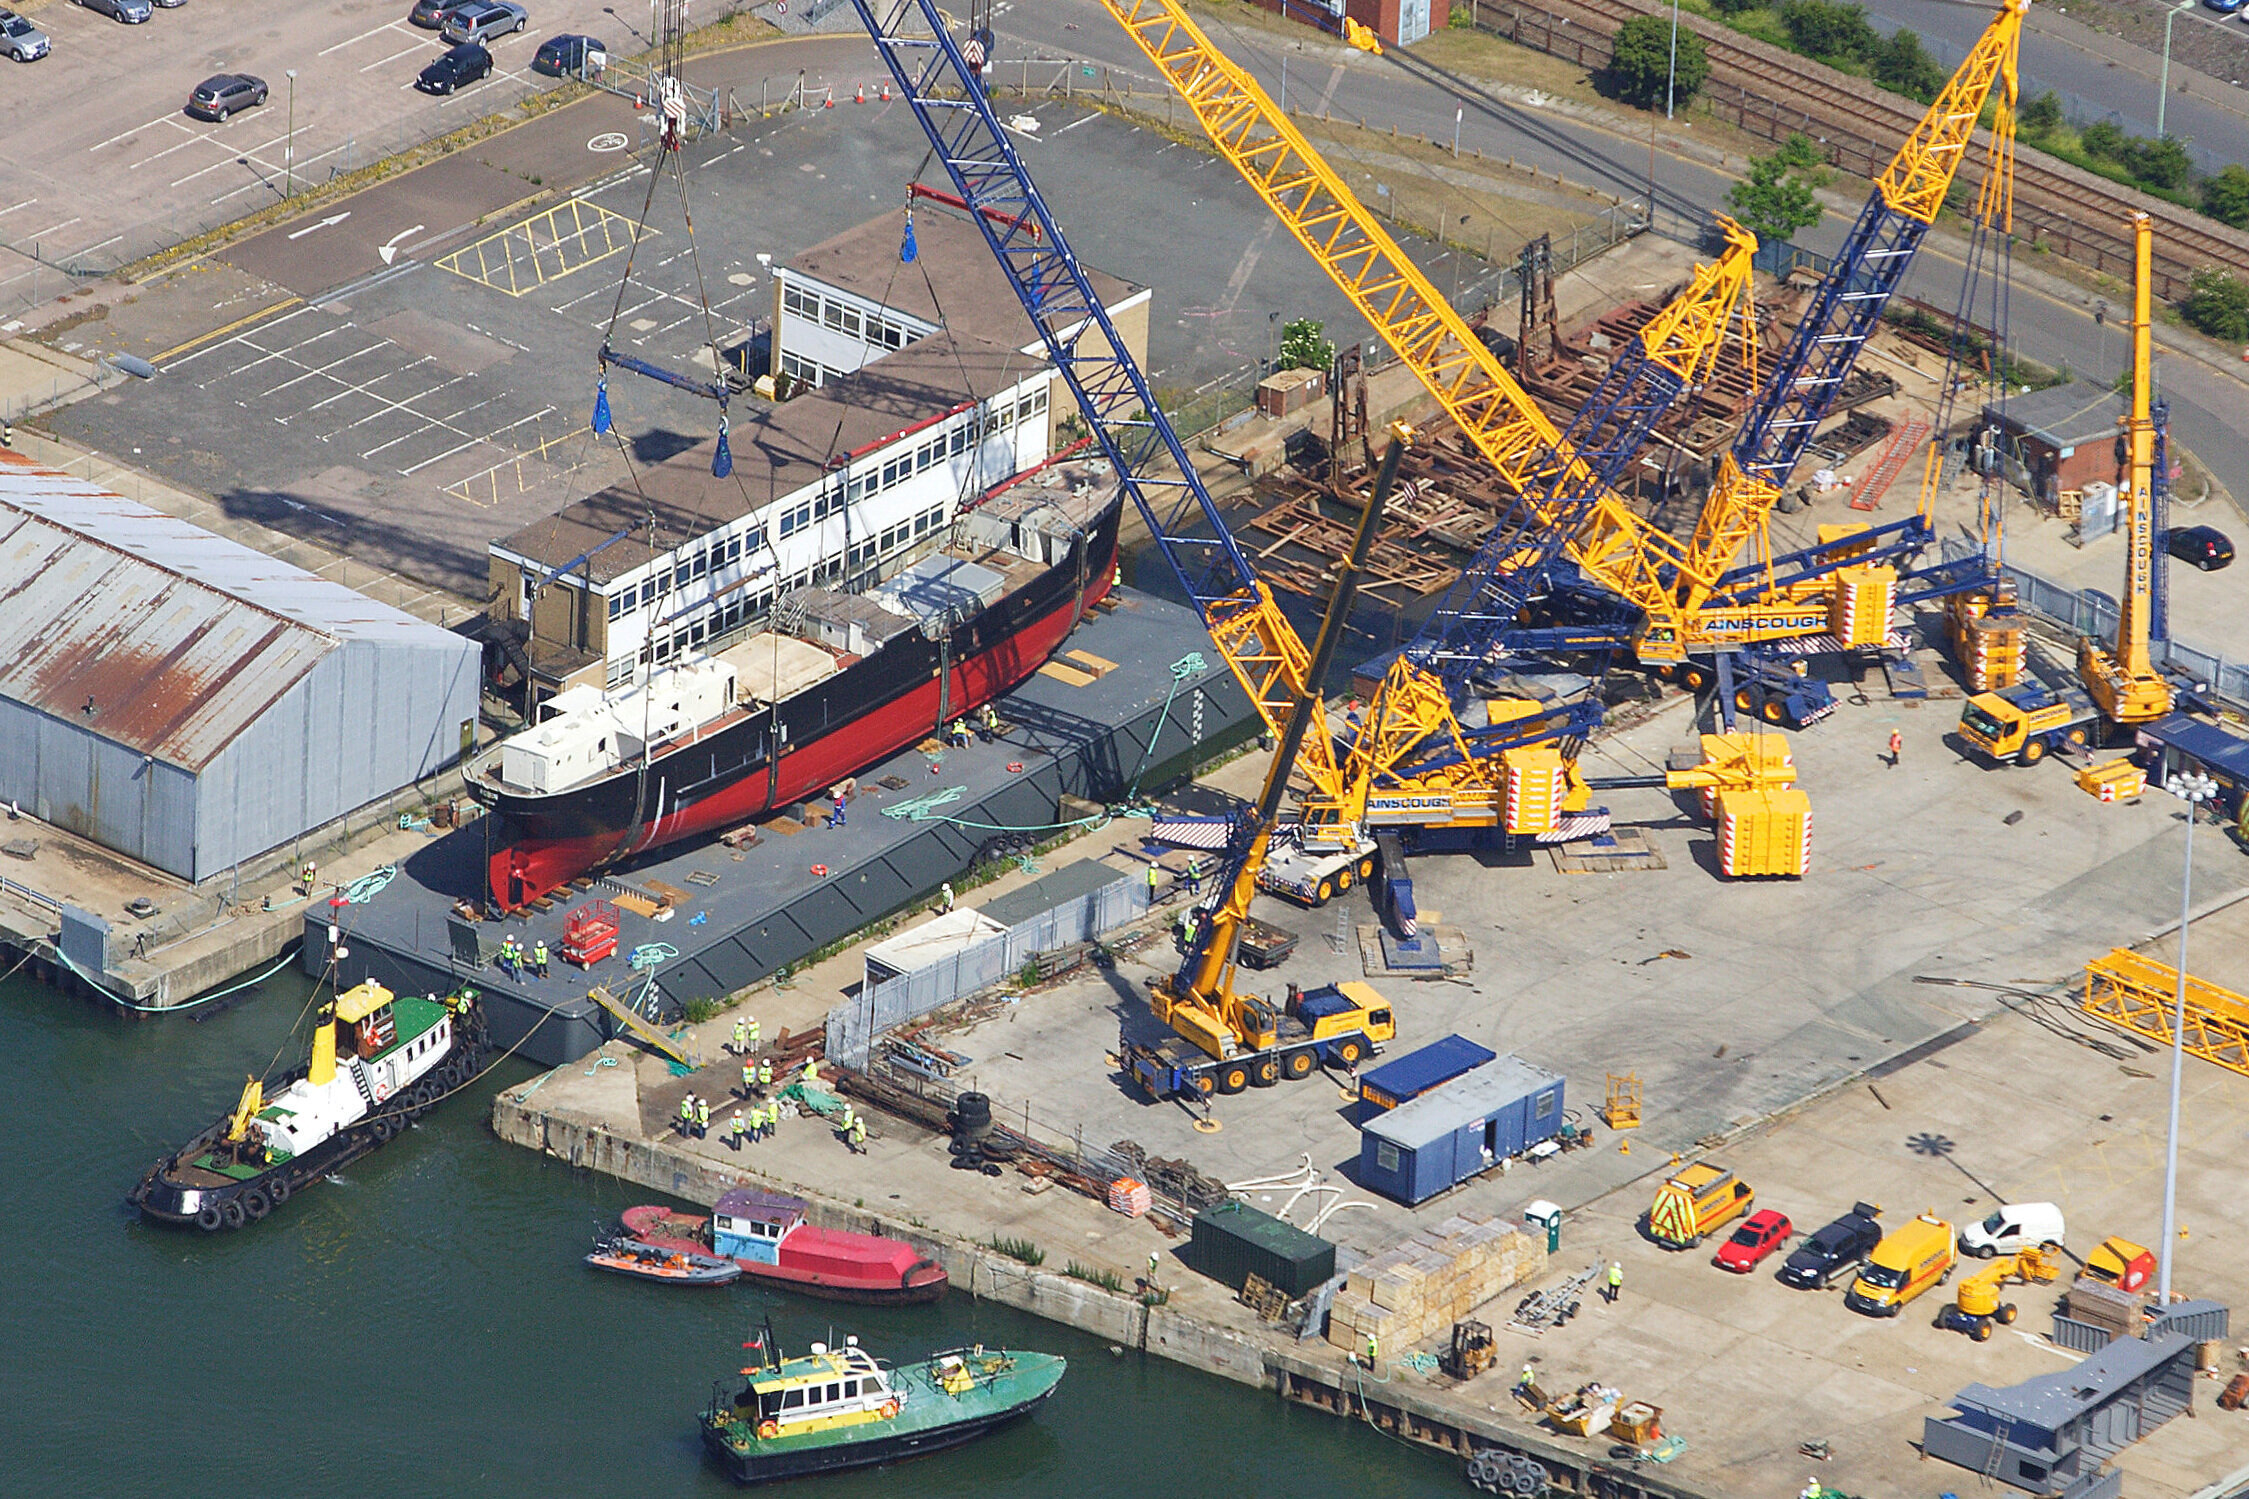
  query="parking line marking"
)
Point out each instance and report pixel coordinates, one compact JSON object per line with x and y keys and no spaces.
{"x":162,"y":119}
{"x":373,"y":31}
{"x":90,"y":249}
{"x":11,"y":208}
{"x":199,"y":342}
{"x":38,"y":234}
{"x":395,"y":56}
{"x":194,"y":138}
{"x":233,"y":154}
{"x":302,"y":163}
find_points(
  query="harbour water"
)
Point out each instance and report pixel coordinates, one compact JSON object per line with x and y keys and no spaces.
{"x":422,"y":1326}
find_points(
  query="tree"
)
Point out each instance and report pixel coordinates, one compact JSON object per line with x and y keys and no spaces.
{"x":2039,"y":116}
{"x":1734,"y":7}
{"x":1778,"y":196}
{"x":1828,"y":31}
{"x":1640,"y":62}
{"x":2104,"y":140}
{"x":2158,"y":163}
{"x":1304,"y":345}
{"x":1903,"y":66}
{"x":2225,"y":197}
{"x":2218,"y":305}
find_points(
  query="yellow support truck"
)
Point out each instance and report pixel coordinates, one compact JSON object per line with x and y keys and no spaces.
{"x":1695,"y":1203}
{"x":1908,"y":1261}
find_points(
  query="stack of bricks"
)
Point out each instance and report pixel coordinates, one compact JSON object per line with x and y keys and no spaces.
{"x":1420,"y":1288}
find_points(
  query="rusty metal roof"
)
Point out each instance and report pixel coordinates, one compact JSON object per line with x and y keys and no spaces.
{"x":149,"y":631}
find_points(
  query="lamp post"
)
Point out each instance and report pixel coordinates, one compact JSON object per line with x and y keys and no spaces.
{"x":2163,"y":89}
{"x":2194,"y":789}
{"x":289,"y":151}
{"x":1671,"y":76}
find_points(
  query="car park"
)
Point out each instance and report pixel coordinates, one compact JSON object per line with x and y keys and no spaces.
{"x":223,"y":94}
{"x":2206,"y":547}
{"x":1835,"y":1251}
{"x":1748,"y":1245}
{"x":126,"y":12}
{"x":431,"y":15}
{"x":569,"y":55}
{"x":20,"y":39}
{"x":485,"y":21}
{"x":2014,"y":1226}
{"x":465,"y":64}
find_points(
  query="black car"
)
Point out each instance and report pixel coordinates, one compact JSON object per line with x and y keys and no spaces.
{"x":1835,"y":1250}
{"x":464,"y":64}
{"x":2204,"y":546}
{"x":566,"y":56}
{"x":431,"y":15}
{"x":222,"y":94}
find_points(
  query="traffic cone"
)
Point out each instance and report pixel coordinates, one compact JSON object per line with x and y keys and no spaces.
{"x":830,"y":101}
{"x":860,"y":95}
{"x":886,"y":93}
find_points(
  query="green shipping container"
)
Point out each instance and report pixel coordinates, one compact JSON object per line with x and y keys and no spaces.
{"x":1234,"y":1241}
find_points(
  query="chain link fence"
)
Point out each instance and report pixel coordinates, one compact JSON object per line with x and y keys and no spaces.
{"x":2089,"y":612}
{"x":979,"y":965}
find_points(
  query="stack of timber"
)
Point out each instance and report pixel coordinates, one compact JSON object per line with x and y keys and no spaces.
{"x":1419,"y":1289}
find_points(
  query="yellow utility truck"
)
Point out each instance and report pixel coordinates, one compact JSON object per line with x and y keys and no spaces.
{"x":1695,"y":1203}
{"x":1909,"y":1260}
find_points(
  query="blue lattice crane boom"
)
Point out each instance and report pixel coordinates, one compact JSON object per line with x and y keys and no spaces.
{"x":1845,"y":309}
{"x":1245,"y":620}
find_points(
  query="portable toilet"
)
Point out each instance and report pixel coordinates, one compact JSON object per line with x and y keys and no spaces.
{"x":1459,"y":1130}
{"x":1543,"y":1216}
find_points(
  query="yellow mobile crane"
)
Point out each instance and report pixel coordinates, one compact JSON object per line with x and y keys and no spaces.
{"x":1224,"y":1041}
{"x":2022,"y":723}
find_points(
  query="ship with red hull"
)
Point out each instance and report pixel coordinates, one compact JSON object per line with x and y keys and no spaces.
{"x":838,"y":682}
{"x":767,"y":1235}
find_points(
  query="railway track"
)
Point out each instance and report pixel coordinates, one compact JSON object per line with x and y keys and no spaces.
{"x":2076,"y":215}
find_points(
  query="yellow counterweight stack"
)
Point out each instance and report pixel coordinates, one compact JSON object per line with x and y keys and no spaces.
{"x":1858,"y":610}
{"x":1986,"y":634}
{"x":1535,"y":786}
{"x":1764,"y":832}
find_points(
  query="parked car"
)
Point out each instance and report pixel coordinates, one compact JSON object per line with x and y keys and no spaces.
{"x":2223,"y":7}
{"x":128,"y":12}
{"x":223,"y":94}
{"x":431,"y":15}
{"x":1835,"y":1251}
{"x":1765,"y":1232}
{"x":169,"y":4}
{"x":485,"y":21}
{"x":2204,"y":546}
{"x":567,"y":55}
{"x":2018,"y":1225}
{"x":463,"y":65}
{"x":20,"y":39}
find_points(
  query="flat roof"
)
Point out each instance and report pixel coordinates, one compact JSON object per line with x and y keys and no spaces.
{"x":1473,"y":1095}
{"x":2067,"y":415}
{"x":154,"y":633}
{"x":953,"y":282}
{"x":789,"y":448}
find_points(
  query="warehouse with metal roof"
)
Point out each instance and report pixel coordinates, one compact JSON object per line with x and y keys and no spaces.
{"x":190,"y":702}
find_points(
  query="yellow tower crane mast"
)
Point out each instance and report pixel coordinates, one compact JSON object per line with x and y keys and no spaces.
{"x":2123,"y":683}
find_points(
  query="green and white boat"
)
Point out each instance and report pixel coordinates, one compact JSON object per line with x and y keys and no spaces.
{"x":841,"y":1408}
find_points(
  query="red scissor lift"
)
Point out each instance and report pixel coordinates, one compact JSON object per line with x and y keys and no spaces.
{"x":589,"y":934}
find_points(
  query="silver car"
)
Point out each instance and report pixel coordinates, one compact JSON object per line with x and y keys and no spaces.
{"x":483,"y":22}
{"x":20,"y":39}
{"x":129,"y":12}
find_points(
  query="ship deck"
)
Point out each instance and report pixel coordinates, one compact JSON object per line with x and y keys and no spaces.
{"x":1079,"y":727}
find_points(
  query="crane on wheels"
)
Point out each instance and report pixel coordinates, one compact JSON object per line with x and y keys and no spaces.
{"x":2118,"y":685}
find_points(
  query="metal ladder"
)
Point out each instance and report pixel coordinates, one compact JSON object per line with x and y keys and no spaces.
{"x":1998,"y":1458}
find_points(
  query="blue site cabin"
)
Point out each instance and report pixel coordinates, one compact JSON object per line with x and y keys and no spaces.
{"x":1406,"y":1079}
{"x":2189,"y":744}
{"x":1454,"y":1132}
{"x":749,"y":1225}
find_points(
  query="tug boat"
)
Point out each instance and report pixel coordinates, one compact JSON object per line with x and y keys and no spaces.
{"x":841,"y":1408}
{"x":765,"y":1233}
{"x":379,"y":1061}
{"x":621,"y":1255}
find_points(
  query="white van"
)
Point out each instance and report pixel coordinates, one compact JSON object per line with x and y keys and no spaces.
{"x":2018,"y":1225}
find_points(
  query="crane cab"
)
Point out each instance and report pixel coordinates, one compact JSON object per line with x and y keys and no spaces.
{"x":2024,"y":723}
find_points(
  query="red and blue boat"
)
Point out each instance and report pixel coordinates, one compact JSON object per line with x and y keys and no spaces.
{"x":767,"y":1235}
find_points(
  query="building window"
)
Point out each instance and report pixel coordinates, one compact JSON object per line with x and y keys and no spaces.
{"x":962,"y":435}
{"x":1385,"y":1156}
{"x":803,"y":371}
{"x":619,"y":603}
{"x":619,"y":673}
{"x":647,"y":592}
{"x":799,"y":301}
{"x":841,"y":318}
{"x":1545,"y":1106}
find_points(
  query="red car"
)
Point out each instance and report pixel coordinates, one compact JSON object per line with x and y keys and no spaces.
{"x":1760,"y":1236}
